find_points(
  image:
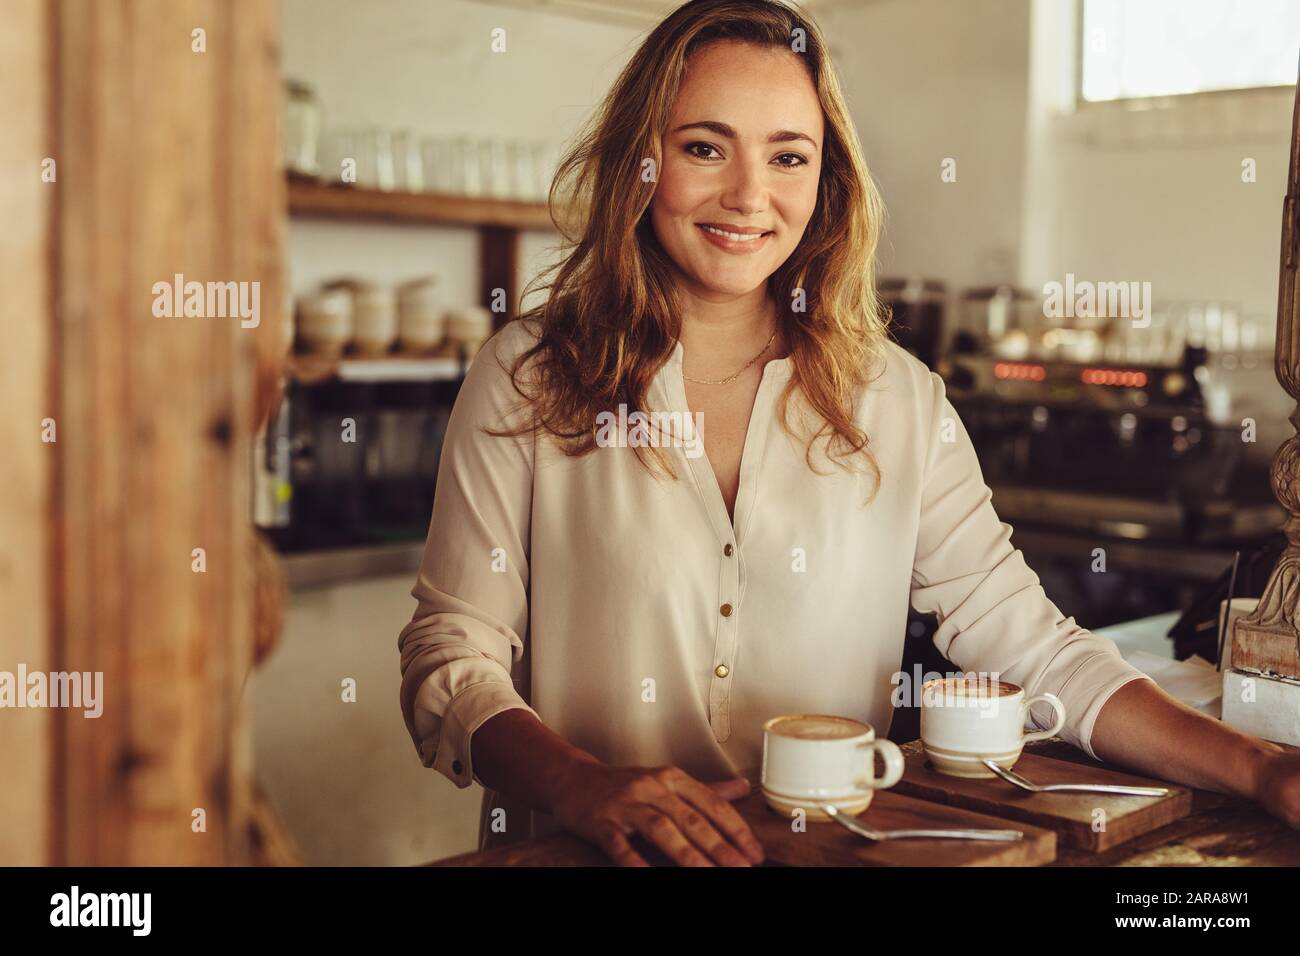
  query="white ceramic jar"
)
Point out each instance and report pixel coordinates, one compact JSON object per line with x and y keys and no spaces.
{"x":421,"y":322}
{"x":324,"y":322}
{"x":468,"y":327}
{"x":374,"y":320}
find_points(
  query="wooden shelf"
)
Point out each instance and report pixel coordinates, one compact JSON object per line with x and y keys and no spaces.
{"x":498,"y":223}
{"x":318,"y":200}
{"x":311,"y":369}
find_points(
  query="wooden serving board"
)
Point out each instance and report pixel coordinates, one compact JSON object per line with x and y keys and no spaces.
{"x":1073,"y":816}
{"x":818,"y":844}
{"x":826,"y":843}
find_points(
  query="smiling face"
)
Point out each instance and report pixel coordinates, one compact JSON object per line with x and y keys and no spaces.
{"x":742,"y":153}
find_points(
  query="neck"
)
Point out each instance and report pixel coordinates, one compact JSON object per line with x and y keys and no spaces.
{"x":716,"y":334}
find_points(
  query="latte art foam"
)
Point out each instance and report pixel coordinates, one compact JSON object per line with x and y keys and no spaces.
{"x":818,"y":728}
{"x":956,"y":687}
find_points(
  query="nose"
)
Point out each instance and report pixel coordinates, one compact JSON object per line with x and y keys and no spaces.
{"x":746,"y":190}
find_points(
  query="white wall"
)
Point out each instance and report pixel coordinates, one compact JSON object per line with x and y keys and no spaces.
{"x":932,"y":79}
{"x":1158,"y":196}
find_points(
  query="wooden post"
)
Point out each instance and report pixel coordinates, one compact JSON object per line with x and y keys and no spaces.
{"x":1268,"y":639}
{"x":27,"y":540}
{"x":499,"y":269}
{"x":166,"y":124}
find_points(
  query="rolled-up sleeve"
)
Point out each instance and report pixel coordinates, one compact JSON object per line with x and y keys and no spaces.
{"x":993,"y":614}
{"x":472,"y":589}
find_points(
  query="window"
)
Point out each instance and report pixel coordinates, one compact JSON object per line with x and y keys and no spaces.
{"x":1137,"y":48}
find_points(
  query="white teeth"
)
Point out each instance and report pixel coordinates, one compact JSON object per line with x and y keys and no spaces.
{"x":732,"y":235}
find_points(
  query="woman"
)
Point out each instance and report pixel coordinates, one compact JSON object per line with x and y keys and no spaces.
{"x":660,"y":604}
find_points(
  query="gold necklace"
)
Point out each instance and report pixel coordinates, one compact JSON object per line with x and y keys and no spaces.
{"x":732,"y":378}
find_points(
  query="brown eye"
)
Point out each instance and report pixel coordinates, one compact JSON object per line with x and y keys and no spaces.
{"x":701,"y":146}
{"x":802,"y":161}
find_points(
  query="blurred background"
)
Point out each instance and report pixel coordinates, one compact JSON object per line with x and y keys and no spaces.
{"x":397,"y":209}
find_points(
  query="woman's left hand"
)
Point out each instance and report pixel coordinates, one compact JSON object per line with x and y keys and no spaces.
{"x":1277,"y":787}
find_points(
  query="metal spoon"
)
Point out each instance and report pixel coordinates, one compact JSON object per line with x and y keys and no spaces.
{"x":1010,"y":776}
{"x":848,"y":822}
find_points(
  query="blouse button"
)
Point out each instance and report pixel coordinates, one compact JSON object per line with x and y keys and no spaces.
{"x":722,"y":670}
{"x":728,"y":549}
{"x":457,"y":767}
{"x":726,"y":610}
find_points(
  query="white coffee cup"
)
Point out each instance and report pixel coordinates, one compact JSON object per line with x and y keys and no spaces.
{"x":817,"y":758}
{"x":967,"y":720}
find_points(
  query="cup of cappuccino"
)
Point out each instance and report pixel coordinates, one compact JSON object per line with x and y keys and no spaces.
{"x":816,"y":758}
{"x":965,"y":720}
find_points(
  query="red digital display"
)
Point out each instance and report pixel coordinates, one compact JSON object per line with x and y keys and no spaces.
{"x":1023,"y":371}
{"x":1124,"y":378}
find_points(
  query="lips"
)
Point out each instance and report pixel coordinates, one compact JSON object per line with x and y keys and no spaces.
{"x":734,"y":230}
{"x":732,"y":244}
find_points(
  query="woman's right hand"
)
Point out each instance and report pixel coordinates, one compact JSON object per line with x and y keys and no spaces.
{"x":690,"y":821}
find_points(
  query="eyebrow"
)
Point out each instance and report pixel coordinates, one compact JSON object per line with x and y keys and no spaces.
{"x":722,"y":129}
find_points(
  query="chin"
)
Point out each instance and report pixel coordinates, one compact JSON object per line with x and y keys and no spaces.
{"x":739,"y":287}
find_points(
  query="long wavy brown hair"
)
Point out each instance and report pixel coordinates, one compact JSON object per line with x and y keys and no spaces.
{"x":612,"y":317}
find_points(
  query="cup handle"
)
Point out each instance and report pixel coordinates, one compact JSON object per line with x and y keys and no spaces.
{"x":1056,"y":724}
{"x":893,"y":758}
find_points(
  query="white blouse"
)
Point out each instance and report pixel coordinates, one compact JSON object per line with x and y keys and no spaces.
{"x":644,"y":629}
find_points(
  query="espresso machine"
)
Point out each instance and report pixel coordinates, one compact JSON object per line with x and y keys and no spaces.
{"x":1097,"y":425}
{"x":1124,"y":450}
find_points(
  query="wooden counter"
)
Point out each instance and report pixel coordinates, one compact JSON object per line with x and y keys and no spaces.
{"x":1220,"y":831}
